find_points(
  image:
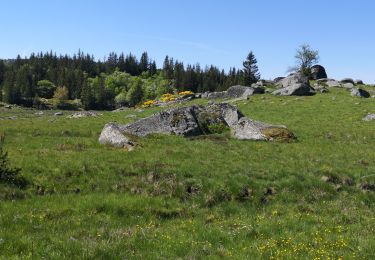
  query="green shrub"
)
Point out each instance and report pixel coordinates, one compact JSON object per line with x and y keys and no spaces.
{"x":9,"y":175}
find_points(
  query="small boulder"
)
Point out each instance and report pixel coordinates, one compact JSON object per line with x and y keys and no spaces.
{"x":333,"y":84}
{"x":318,"y":72}
{"x":348,"y":85}
{"x":347,"y":80}
{"x":324,"y":80}
{"x":58,"y":113}
{"x":275,"y":80}
{"x":112,"y":135}
{"x":358,"y":92}
{"x":369,"y":117}
{"x":217,"y":95}
{"x":84,"y":114}
{"x":358,"y":82}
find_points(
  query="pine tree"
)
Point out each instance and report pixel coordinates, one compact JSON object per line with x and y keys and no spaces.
{"x":144,"y":62}
{"x":250,"y":71}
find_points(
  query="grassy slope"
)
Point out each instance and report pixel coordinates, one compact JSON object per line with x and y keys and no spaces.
{"x":207,"y":197}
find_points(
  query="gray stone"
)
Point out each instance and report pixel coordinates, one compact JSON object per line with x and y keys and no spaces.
{"x":243,"y":92}
{"x":293,"y":79}
{"x":81,"y":114}
{"x":358,"y":92}
{"x":369,"y":117}
{"x":347,"y":80}
{"x":217,"y":95}
{"x":320,"y":88}
{"x":247,"y":129}
{"x":358,"y":82}
{"x":112,"y":135}
{"x":348,"y":85}
{"x":294,"y":85}
{"x":318,"y":72}
{"x":333,"y":83}
{"x":275,"y":80}
{"x":58,"y":114}
{"x":298,"y":89}
{"x":324,"y":80}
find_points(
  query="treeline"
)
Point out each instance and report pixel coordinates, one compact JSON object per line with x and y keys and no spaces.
{"x":117,"y":81}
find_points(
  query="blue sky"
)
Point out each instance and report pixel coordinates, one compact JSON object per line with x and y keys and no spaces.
{"x":209,"y":32}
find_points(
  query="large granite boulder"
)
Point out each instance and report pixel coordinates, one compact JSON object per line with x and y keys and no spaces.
{"x":215,"y":95}
{"x":294,"y":78}
{"x":247,"y":129}
{"x":318,"y":72}
{"x":294,"y":85}
{"x":192,"y":121}
{"x":243,"y":92}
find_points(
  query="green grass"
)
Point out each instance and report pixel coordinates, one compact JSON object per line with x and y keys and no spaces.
{"x":207,"y":197}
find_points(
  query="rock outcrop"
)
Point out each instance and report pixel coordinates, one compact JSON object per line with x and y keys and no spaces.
{"x":84,"y":114}
{"x":237,"y":91}
{"x":294,"y":85}
{"x":192,"y":121}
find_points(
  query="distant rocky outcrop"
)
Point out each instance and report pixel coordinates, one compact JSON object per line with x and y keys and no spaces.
{"x":318,"y":72}
{"x":294,"y":85}
{"x":81,"y":114}
{"x":193,"y":121}
{"x":237,"y":91}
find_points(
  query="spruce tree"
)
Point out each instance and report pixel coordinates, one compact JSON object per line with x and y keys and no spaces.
{"x":250,"y":70}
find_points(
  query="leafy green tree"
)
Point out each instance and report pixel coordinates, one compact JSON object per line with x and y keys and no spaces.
{"x":305,"y":58}
{"x":60,"y":96}
{"x":135,"y":93}
{"x":121,"y":99}
{"x":250,"y":70}
{"x":117,"y":82}
{"x":45,"y":88}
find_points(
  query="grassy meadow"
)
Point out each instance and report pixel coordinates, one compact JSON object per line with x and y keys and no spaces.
{"x":205,"y":197}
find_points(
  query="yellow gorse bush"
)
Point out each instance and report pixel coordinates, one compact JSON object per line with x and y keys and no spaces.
{"x":148,"y":103}
{"x":187,"y":92}
{"x":168,"y":97}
